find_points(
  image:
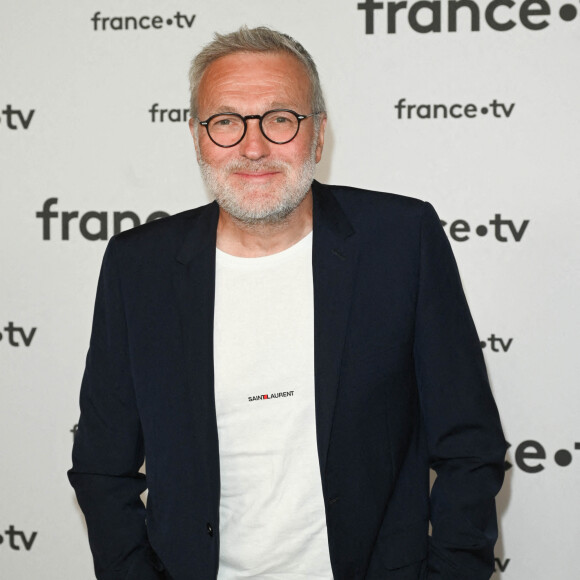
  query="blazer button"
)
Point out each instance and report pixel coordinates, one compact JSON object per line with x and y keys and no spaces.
{"x":209,"y":529}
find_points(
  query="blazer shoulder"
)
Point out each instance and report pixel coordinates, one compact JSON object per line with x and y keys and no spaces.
{"x":164,"y":234}
{"x":366,"y":208}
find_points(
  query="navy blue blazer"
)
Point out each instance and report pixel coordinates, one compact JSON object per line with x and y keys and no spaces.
{"x":400,"y":385}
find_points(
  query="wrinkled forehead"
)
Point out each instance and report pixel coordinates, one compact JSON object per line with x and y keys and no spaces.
{"x":254,"y":79}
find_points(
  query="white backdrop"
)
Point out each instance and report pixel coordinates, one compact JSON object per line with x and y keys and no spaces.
{"x":76,"y":124}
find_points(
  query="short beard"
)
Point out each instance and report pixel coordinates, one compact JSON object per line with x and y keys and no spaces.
{"x":230,"y":199}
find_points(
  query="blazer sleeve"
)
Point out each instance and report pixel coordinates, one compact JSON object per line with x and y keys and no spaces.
{"x":108,"y":449}
{"x":465,"y":440}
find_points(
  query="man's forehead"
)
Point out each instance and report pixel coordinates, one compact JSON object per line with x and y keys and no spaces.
{"x":252,"y":66}
{"x":276,"y":79}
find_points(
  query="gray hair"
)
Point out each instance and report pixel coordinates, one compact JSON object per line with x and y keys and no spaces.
{"x":260,"y":39}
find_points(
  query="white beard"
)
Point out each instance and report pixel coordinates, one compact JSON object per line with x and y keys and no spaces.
{"x":243,"y":204}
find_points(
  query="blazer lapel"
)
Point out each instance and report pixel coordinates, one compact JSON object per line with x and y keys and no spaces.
{"x":194,"y":282}
{"x":334,"y":264}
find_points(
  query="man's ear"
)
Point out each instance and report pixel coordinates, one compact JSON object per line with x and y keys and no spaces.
{"x":320,"y":140}
{"x":193,"y":130}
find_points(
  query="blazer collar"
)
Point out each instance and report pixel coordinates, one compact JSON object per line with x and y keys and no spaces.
{"x":201,"y":234}
{"x":328,"y":216}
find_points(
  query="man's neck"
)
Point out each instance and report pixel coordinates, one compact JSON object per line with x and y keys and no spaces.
{"x":255,"y":240}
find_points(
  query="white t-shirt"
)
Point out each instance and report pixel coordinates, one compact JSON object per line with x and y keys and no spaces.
{"x":272,"y":517}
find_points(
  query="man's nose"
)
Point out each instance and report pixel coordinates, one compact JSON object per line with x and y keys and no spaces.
{"x":254,"y":145}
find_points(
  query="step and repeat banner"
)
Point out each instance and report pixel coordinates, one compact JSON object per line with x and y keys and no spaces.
{"x":473,"y":106}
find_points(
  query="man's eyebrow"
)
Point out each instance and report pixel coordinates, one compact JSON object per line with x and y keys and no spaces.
{"x":281,"y":105}
{"x":224,"y":109}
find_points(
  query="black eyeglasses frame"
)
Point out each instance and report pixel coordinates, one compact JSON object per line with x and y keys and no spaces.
{"x":245,"y":120}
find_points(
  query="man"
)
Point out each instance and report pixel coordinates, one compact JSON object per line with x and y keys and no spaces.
{"x":290,"y":360}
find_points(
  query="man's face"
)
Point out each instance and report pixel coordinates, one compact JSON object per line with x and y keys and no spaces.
{"x":257,"y":181}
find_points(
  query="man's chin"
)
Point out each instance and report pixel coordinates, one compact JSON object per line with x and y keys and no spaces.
{"x":256,"y":214}
{"x":257,"y":190}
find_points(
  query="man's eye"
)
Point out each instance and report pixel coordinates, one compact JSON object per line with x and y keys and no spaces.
{"x":281,"y":120}
{"x":225,"y":124}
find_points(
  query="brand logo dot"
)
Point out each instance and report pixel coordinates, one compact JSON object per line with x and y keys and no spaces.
{"x":484,"y":110}
{"x":482,"y":343}
{"x":481,"y":230}
{"x":563,"y":457}
{"x":568,"y":12}
{"x":169,"y":21}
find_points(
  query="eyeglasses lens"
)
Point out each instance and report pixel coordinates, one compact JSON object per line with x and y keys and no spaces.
{"x":280,"y":126}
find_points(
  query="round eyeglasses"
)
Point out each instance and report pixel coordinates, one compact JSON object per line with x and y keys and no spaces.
{"x":279,"y":126}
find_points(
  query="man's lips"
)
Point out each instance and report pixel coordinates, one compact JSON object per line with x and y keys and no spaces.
{"x":255,"y":174}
